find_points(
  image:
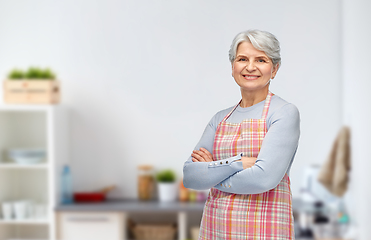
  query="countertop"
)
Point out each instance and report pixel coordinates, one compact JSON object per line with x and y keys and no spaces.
{"x":129,"y":205}
{"x":134,"y":205}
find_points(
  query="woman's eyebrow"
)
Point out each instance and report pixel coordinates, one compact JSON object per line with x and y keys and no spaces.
{"x":262,"y":57}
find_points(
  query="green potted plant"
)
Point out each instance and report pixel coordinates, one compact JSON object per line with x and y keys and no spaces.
{"x":32,"y":74}
{"x":16,"y":74}
{"x":167,"y":186}
{"x":36,"y":85}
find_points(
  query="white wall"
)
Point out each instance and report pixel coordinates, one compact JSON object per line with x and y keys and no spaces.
{"x":143,"y":78}
{"x":357,"y":98}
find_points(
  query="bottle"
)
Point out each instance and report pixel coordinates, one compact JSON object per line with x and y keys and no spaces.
{"x":192,"y":195}
{"x":183,"y":192}
{"x":66,"y":185}
{"x":145,"y":182}
{"x":343,"y":219}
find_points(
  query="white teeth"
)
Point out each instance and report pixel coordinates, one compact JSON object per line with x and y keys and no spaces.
{"x":251,"y":77}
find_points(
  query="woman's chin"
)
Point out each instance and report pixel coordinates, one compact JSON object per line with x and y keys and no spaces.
{"x":253,"y":87}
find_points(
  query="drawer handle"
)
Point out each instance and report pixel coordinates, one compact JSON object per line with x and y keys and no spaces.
{"x":88,"y":219}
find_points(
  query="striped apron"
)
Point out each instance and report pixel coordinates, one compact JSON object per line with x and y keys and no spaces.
{"x":265,"y":216}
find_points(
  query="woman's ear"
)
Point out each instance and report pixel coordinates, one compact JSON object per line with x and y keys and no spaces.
{"x":275,"y":69}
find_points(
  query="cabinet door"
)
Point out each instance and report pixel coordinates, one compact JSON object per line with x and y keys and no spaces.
{"x":90,"y":226}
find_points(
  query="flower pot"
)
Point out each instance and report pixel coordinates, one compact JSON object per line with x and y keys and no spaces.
{"x":167,"y":192}
{"x":31,"y":91}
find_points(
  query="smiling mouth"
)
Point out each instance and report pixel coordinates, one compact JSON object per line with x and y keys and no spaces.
{"x":250,"y":77}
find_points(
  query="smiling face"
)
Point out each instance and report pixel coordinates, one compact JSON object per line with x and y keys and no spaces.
{"x":252,"y":69}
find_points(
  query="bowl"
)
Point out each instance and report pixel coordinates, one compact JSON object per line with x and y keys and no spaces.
{"x":27,"y":155}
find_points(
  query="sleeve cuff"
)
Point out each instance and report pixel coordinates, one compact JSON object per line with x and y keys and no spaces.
{"x":225,"y":162}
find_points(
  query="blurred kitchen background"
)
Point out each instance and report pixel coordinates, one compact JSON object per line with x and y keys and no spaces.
{"x":141,"y":79}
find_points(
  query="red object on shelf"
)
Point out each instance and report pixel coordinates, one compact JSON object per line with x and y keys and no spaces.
{"x":89,"y":197}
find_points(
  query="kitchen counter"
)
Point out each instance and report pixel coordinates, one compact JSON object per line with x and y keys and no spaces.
{"x":134,"y":205}
{"x":126,"y":205}
{"x":72,"y":216}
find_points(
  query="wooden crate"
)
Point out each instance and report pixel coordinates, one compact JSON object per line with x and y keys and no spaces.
{"x":32,"y":91}
{"x":155,"y":231}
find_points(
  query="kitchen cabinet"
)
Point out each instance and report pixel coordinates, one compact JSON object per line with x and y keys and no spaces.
{"x":92,"y":226}
{"x":32,"y":126}
{"x":111,"y":217}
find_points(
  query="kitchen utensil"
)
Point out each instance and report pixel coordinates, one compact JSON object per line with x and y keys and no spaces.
{"x":107,"y":189}
{"x":26,"y":155}
{"x":7,"y":209}
{"x":311,"y":189}
{"x":22,"y":209}
{"x":98,"y":196}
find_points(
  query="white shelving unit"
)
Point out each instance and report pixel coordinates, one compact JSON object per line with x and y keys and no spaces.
{"x":32,"y":126}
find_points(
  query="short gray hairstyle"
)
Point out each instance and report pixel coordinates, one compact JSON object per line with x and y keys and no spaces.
{"x":262,"y":41}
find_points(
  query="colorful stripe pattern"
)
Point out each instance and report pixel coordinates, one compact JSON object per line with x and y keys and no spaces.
{"x":265,"y":216}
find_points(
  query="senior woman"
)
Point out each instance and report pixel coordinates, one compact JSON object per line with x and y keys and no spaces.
{"x":246,"y":151}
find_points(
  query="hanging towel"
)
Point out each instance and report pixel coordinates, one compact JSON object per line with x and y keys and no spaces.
{"x":334,"y":173}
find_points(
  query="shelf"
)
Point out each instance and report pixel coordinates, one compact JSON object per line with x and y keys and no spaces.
{"x":23,"y":166}
{"x":26,"y":107}
{"x":25,"y":222}
{"x":32,"y":126}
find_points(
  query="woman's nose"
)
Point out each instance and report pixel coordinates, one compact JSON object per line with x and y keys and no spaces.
{"x":250,"y":66}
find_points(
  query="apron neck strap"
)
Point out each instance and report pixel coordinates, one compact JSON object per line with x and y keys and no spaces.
{"x":266,"y":105}
{"x":265,"y":109}
{"x":229,"y":114}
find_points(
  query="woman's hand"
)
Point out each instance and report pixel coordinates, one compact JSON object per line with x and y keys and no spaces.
{"x":247,"y":162}
{"x":202,"y":155}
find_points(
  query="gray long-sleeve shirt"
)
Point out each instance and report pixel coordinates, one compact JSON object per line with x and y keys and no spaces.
{"x":274,"y":160}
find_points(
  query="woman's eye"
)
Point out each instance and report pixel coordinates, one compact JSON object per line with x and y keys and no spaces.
{"x":261,"y":60}
{"x":242,"y":59}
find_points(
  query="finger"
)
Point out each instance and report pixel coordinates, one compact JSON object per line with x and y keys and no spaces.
{"x":207,"y":153}
{"x":194,"y":160}
{"x":204,"y":150}
{"x":203,"y":155}
{"x":197,"y":156}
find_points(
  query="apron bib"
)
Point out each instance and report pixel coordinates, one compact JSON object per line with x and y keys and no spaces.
{"x":265,"y":216}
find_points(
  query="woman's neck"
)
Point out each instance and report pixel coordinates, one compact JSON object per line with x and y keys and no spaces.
{"x":250,"y":98}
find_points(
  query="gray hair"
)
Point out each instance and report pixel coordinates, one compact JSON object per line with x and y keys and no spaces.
{"x":262,"y":41}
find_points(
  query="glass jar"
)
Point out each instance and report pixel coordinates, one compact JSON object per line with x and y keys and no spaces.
{"x":145,"y":182}
{"x":183,"y":192}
